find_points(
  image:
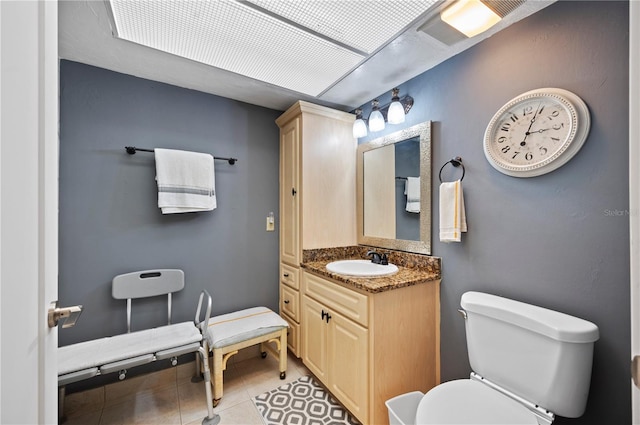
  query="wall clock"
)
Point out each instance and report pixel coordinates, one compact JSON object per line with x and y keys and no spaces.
{"x":536,"y":132}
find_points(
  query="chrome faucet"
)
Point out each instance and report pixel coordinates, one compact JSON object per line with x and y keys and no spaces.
{"x":376,"y":258}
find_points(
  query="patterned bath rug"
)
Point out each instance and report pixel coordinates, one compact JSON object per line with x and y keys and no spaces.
{"x":302,"y":402}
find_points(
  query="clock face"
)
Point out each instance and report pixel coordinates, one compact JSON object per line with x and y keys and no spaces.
{"x":536,"y":132}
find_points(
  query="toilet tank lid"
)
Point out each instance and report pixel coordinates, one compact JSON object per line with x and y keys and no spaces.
{"x":551,"y":323}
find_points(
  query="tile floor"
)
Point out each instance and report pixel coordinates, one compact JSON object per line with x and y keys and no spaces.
{"x":169,"y":397}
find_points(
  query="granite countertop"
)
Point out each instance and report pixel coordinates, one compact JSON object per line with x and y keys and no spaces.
{"x":413,"y":269}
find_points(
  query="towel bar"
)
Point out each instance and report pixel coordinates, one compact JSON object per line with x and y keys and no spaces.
{"x":132,"y":150}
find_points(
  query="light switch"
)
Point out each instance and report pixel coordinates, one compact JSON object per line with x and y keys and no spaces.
{"x":271,"y":222}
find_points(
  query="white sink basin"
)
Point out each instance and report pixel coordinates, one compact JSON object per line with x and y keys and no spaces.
{"x":361,"y":268}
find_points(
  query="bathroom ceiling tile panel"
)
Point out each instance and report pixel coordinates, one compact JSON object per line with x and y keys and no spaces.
{"x":235,"y":37}
{"x":86,"y":35}
{"x":364,"y":25}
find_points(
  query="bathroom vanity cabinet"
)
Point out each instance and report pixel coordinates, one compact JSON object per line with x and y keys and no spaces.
{"x":317,"y":194}
{"x":335,"y":340}
{"x":369,"y":347}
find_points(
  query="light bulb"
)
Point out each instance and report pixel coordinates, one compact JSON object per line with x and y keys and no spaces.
{"x":359,"y":128}
{"x":376,"y":120}
{"x":395,"y":115}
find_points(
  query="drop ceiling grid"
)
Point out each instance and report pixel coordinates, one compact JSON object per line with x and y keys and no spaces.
{"x":362,"y":24}
{"x":232,"y":36}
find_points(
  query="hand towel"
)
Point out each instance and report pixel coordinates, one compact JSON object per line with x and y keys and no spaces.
{"x":186,"y":181}
{"x":412,"y":190}
{"x":453,"y":220}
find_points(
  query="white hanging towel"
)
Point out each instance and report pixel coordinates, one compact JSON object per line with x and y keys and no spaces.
{"x":412,"y":190}
{"x":453,"y":219}
{"x":186,"y":181}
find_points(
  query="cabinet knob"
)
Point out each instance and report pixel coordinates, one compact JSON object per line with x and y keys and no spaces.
{"x":286,"y":275}
{"x":293,"y":191}
{"x":325,"y":316}
{"x":286,"y":301}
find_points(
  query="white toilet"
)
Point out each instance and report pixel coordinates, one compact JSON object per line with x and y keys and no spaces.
{"x":529,"y":364}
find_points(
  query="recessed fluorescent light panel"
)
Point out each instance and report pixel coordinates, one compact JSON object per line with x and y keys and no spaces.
{"x":470,"y":17}
{"x":304,"y":46}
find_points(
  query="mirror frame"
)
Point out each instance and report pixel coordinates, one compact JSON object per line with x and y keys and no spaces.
{"x":423,"y":246}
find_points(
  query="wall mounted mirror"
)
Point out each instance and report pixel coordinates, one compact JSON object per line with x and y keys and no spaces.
{"x":388,"y":167}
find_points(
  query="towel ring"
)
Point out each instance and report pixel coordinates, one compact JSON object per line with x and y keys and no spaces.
{"x":456,"y":162}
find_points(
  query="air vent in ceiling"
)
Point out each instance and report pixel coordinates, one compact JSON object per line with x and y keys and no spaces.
{"x":503,"y":7}
{"x":444,"y":33}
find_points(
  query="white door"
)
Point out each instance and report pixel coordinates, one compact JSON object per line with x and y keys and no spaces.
{"x":634,"y":196}
{"x":28,"y":210}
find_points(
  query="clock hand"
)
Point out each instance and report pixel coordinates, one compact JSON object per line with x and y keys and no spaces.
{"x":538,"y":131}
{"x":524,"y":141}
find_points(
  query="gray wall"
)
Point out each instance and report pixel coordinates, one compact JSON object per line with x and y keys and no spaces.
{"x":560,"y":240}
{"x":109,"y":219}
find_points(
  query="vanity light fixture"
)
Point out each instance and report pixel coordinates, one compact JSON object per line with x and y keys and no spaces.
{"x":470,"y":17}
{"x":393,"y":113}
{"x":396,"y":110}
{"x":376,"y":120}
{"x":359,"y":126}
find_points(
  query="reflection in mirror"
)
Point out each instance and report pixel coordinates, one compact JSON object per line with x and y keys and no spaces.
{"x":407,"y":189}
{"x":394,"y":190}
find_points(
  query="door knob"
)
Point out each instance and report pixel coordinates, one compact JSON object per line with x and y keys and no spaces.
{"x":69,"y":315}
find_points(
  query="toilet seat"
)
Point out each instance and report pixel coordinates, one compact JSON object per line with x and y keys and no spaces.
{"x":465,"y":401}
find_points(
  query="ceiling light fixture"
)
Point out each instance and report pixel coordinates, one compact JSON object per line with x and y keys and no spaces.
{"x":393,"y":113}
{"x":266,"y":40}
{"x":470,"y":17}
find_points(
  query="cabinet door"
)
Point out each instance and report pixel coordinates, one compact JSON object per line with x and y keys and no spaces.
{"x":290,"y":276}
{"x":314,"y":338}
{"x":289,"y":196}
{"x":289,"y":302}
{"x":293,"y":336}
{"x":349,"y":364}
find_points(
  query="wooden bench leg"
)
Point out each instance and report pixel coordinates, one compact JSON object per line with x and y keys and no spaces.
{"x":217,"y":376}
{"x":280,"y":351}
{"x":283,"y":353}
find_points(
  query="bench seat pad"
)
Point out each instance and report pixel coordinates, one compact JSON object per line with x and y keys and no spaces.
{"x":228,"y":329}
{"x":98,"y":352}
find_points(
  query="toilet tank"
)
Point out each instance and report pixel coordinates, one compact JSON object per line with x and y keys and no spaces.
{"x":539,"y":354}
